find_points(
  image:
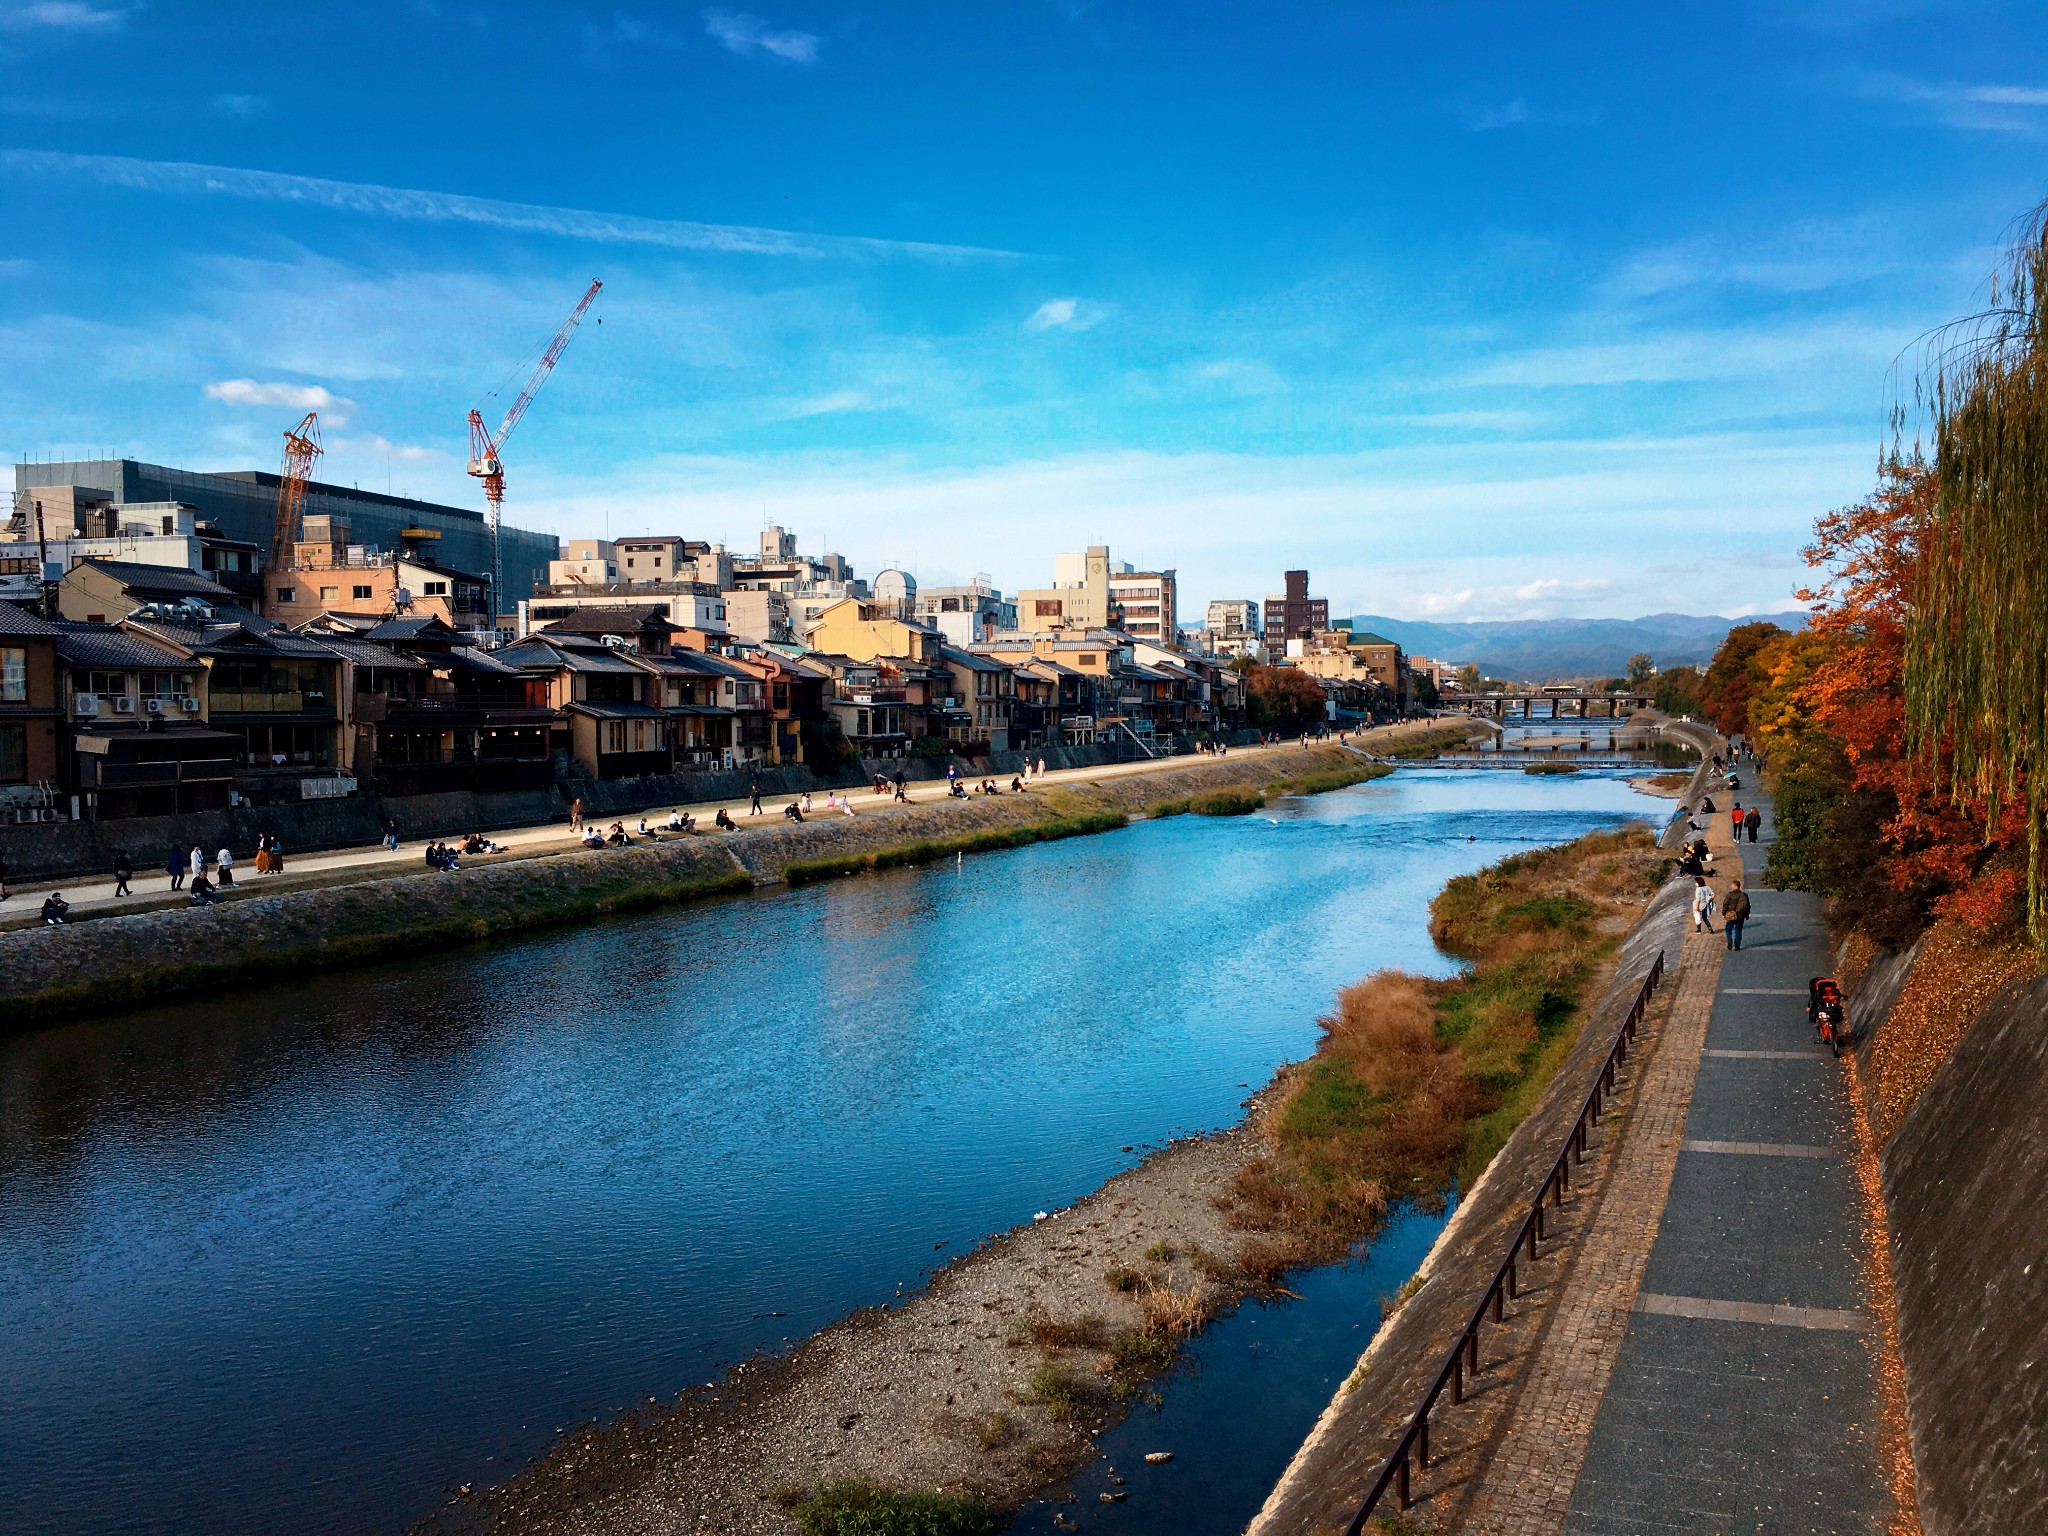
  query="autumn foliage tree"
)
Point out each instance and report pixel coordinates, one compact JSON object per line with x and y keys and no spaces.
{"x":1284,"y":699}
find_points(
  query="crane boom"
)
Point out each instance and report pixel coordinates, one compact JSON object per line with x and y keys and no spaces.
{"x":485,"y":448}
{"x":301,"y":448}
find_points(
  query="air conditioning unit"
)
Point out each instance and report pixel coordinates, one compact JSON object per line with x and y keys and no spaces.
{"x":86,"y":704}
{"x":154,"y":706}
{"x":189,"y":704}
{"x":124,"y":705}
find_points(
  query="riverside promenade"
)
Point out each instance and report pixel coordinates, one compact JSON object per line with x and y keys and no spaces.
{"x":94,"y":896}
{"x":1710,"y":1364}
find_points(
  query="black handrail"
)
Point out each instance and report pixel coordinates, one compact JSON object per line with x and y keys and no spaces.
{"x":1414,"y":1441}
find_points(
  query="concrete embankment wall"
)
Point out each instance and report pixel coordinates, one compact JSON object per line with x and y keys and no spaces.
{"x":125,"y":961}
{"x":62,"y":850}
{"x":1965,"y":1179}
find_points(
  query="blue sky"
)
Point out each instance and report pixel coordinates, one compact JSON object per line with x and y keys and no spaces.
{"x":1475,"y":310}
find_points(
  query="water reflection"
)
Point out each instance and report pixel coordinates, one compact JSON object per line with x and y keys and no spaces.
{"x":300,"y":1257}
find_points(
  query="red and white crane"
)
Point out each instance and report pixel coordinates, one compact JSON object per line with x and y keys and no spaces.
{"x":486,"y":448}
{"x":301,"y":448}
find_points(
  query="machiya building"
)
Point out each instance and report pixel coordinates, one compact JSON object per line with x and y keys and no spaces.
{"x":241,"y":507}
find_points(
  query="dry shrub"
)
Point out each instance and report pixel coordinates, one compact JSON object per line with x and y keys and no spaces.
{"x":1065,"y":1333}
{"x":1171,"y":1314}
{"x":1416,"y":1080}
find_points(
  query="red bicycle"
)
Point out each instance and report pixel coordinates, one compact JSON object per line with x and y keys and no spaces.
{"x":1828,"y":1014}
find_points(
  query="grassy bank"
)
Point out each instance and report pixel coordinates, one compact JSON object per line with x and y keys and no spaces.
{"x":1417,"y":1082}
{"x":1230,"y":801}
{"x":1071,"y":816}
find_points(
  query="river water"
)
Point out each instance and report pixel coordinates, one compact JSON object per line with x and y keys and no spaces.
{"x":306,"y":1257}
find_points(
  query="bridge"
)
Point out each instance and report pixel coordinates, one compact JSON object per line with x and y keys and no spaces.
{"x":1551,"y":706}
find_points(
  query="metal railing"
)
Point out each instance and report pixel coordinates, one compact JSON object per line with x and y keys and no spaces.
{"x":1464,"y":1353}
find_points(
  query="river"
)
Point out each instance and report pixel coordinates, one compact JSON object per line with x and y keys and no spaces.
{"x":306,"y":1257}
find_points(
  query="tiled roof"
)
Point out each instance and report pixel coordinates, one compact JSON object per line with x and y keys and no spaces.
{"x":109,"y":649}
{"x":16,"y":620}
{"x":609,"y":709}
{"x":137,"y":577}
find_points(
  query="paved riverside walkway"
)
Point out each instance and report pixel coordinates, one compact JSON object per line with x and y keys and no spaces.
{"x":1705,"y":1369}
{"x":94,"y":895}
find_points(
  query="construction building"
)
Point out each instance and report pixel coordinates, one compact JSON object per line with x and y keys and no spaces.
{"x":241,"y":506}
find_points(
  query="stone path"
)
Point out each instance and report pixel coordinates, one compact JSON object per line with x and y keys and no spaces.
{"x":151,"y":886}
{"x":1705,"y":1367}
{"x":1743,"y":1398}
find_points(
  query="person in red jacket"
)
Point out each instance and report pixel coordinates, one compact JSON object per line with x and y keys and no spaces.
{"x":1735,"y":821}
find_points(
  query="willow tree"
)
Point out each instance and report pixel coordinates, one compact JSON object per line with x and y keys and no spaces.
{"x":1976,"y":676}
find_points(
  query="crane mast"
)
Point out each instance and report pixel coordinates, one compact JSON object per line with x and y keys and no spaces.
{"x":301,"y":448}
{"x":486,"y":448}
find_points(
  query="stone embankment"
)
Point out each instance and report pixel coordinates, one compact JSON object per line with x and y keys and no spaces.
{"x":154,"y":956}
{"x":1343,"y":1453}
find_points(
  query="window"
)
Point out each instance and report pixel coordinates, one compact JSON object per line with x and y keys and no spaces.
{"x":434,"y":588}
{"x":1088,"y":660}
{"x":165,"y":685}
{"x":108,"y":685}
{"x":615,"y":735}
{"x":286,"y":595}
{"x":1048,"y":607}
{"x":329,"y":594}
{"x":13,"y":754}
{"x":13,"y":676}
{"x":359,"y":593}
{"x":629,"y":562}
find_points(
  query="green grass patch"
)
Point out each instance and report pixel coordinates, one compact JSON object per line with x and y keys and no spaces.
{"x":1137,"y":1353}
{"x":1062,"y":1393}
{"x":927,"y":850}
{"x":860,"y":1506}
{"x":1544,"y":770}
{"x":1231,"y":800}
{"x":1321,"y":782}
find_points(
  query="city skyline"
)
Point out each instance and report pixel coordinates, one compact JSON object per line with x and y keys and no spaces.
{"x":1475,"y":316}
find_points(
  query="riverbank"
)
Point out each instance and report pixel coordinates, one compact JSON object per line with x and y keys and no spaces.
{"x":126,"y":961}
{"x":989,"y":1382}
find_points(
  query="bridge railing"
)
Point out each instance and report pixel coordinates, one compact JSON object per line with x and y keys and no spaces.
{"x":1463,"y":1357}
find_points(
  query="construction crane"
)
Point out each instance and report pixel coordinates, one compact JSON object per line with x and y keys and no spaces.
{"x":486,"y":449}
{"x":301,"y":448}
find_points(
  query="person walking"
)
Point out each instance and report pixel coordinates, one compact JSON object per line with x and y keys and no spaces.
{"x":124,"y":871}
{"x":1735,"y":820}
{"x":3,"y":879}
{"x":1734,"y":913}
{"x":174,"y":866}
{"x":198,"y":861}
{"x":276,"y":854}
{"x":224,"y":867}
{"x":576,"y":816}
{"x":1702,"y":905}
{"x":753,"y":797}
{"x":1753,"y":821}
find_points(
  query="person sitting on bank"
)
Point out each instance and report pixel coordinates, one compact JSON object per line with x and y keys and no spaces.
{"x":617,"y":837}
{"x":959,"y":790}
{"x":793,"y":811}
{"x":676,"y":822}
{"x":645,"y":830}
{"x":202,"y":892}
{"x":723,"y":821}
{"x":592,"y":838}
{"x":1016,"y":784}
{"x":54,"y":909}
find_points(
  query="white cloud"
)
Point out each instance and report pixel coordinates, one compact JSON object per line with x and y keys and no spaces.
{"x":1065,"y":315}
{"x":61,"y":16}
{"x":1485,"y":117}
{"x":1991,"y":108}
{"x":297,"y":397}
{"x":182,"y":179}
{"x":749,"y":35}
{"x":378,"y":447}
{"x":235,"y":104}
{"x":16,"y":267}
{"x":832,"y":404}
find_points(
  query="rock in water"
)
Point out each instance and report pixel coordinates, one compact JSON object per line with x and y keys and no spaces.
{"x":1158,"y":1458}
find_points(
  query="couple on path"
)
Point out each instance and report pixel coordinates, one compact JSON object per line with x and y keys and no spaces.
{"x":1734,"y":910}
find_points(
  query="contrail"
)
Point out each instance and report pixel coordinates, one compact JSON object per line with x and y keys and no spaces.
{"x":182,"y":179}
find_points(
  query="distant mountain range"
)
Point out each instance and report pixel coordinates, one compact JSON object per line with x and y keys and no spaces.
{"x":1535,"y":650}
